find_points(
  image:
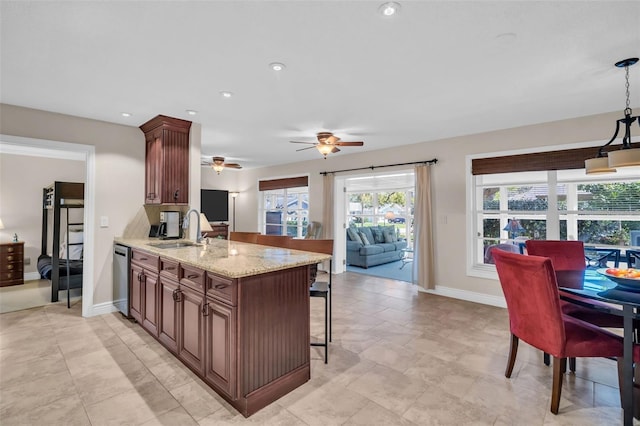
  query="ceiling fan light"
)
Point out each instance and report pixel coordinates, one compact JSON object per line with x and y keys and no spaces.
{"x":624,"y":157}
{"x":598,"y":165}
{"x":217,"y":167}
{"x":324,"y":148}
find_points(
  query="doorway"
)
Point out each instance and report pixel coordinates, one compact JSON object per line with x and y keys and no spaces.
{"x":379,"y":210}
{"x":44,"y":149}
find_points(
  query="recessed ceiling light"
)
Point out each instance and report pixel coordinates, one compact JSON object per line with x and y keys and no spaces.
{"x":276,"y":66}
{"x":125,"y":114}
{"x":389,"y":9}
{"x":226,"y":94}
{"x":191,"y":112}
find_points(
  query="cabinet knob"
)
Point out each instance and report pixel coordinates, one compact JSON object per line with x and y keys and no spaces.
{"x":9,"y":258}
{"x":221,"y":286}
{"x":9,"y":266}
{"x":177,"y":295}
{"x":205,"y":310}
{"x":10,"y":249}
{"x":191,"y":276}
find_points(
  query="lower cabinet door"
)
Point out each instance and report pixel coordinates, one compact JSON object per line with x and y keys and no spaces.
{"x":191,"y":329}
{"x":220,"y":359}
{"x":135,"y":293}
{"x":150,"y":302}
{"x":169,"y":314}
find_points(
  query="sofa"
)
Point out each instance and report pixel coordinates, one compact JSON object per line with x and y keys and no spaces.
{"x":373,"y":245}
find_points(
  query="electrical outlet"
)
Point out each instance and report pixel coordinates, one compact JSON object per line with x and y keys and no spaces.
{"x":27,"y":261}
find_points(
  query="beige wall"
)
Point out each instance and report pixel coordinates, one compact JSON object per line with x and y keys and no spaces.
{"x":119,"y":178}
{"x":22,"y":179}
{"x":119,"y":174}
{"x":449,"y":183}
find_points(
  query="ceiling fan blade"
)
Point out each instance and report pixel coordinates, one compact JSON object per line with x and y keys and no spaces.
{"x":332,"y":140}
{"x":335,"y":149}
{"x":233,"y":165}
{"x":310,"y":143}
{"x":302,"y":149}
{"x":359,"y":143}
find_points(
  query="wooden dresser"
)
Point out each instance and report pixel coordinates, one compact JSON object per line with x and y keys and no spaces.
{"x":220,"y":230}
{"x":11,"y":264}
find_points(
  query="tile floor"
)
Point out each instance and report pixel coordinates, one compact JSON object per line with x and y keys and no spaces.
{"x":398,"y":357}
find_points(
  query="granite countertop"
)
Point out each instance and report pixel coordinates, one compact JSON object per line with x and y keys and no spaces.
{"x":228,"y":258}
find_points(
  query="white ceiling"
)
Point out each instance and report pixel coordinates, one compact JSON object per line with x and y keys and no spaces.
{"x":437,"y":69}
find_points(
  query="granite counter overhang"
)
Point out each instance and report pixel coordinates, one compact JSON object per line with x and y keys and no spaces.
{"x":230,"y":258}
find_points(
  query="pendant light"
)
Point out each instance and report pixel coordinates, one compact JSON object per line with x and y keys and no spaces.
{"x":627,"y":155}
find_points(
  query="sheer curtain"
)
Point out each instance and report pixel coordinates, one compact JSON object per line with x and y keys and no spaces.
{"x":327,"y":207}
{"x":423,"y":264}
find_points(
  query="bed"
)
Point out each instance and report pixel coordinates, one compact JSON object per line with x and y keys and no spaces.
{"x":61,"y":261}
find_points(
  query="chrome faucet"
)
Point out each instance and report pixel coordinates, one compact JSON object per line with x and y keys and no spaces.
{"x":185,"y":224}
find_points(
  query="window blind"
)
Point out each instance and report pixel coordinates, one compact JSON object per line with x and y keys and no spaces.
{"x":539,"y":161}
{"x":294,"y":182}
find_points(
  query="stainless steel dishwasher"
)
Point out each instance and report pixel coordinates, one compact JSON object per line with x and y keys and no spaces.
{"x":121,"y":274}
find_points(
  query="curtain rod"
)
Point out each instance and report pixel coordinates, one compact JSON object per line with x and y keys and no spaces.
{"x":434,"y":161}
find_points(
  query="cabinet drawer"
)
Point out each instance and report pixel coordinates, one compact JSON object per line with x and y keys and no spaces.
{"x":192,"y":277}
{"x":143,"y":258}
{"x":11,"y":275}
{"x":15,"y":266}
{"x":14,"y":251}
{"x":223,"y":288}
{"x":169,"y":268}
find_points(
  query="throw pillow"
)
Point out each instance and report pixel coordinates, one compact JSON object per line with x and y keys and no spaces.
{"x":364,"y":238}
{"x":390,"y":236}
{"x":353,"y":235}
{"x":378,"y":237}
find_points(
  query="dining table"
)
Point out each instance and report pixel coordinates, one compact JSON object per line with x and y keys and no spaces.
{"x":595,"y":290}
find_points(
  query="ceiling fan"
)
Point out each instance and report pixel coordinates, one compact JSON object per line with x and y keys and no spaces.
{"x":327,"y":143}
{"x":218,"y":164}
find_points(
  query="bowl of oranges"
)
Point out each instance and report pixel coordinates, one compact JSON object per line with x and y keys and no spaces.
{"x":625,"y":277}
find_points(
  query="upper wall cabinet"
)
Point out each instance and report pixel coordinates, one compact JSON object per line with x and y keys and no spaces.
{"x":167,"y":160}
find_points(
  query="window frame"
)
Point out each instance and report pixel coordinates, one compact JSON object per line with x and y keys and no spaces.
{"x":552,"y":215}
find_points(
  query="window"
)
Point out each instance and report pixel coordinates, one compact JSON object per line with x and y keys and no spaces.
{"x":285,"y":211}
{"x":382,"y":200}
{"x":559,"y":204}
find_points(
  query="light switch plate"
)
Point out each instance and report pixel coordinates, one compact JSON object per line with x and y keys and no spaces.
{"x":104,"y":221}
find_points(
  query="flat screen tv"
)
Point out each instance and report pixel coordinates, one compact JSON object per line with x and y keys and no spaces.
{"x":215,"y":204}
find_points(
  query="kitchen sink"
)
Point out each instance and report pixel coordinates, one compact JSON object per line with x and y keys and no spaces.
{"x":173,"y":245}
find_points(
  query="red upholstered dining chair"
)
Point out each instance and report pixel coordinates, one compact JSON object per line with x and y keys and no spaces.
{"x":569,"y":256}
{"x":531,"y":291}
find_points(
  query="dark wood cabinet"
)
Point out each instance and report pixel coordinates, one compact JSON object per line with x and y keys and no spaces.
{"x":220,"y":343}
{"x":191,"y":329}
{"x":247,"y":337}
{"x":143,"y":302}
{"x":135,"y":293}
{"x":11,"y":264}
{"x":168,"y":304}
{"x":168,"y":310}
{"x":150,"y":310}
{"x":166,"y":160}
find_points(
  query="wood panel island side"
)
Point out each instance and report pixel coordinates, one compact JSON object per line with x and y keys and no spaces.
{"x":236,"y":314}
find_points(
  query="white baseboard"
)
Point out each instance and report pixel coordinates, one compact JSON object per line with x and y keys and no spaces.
{"x":469,"y":296}
{"x":30,"y":276}
{"x":102,"y":308}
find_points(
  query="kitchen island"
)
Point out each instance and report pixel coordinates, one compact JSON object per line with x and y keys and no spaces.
{"x":236,"y":314}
